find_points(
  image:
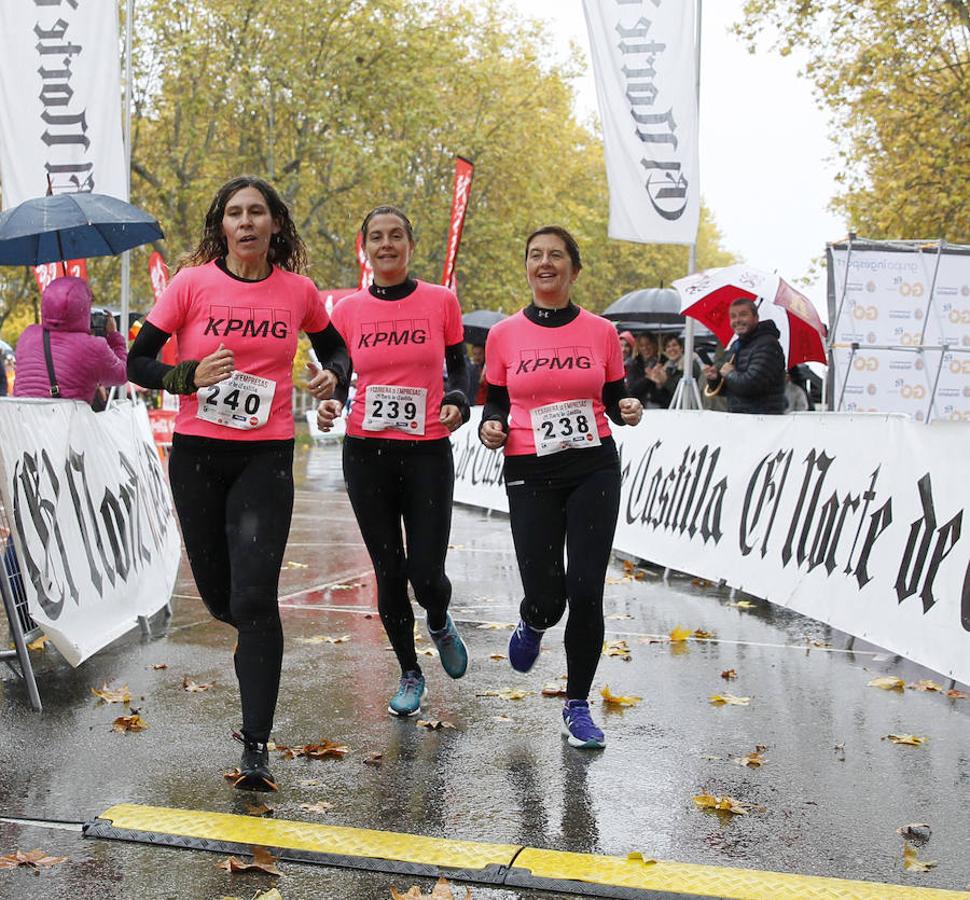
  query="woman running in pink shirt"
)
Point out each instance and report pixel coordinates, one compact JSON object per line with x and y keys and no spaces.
{"x":554,"y":373}
{"x":236,"y":309}
{"x":397,"y":457}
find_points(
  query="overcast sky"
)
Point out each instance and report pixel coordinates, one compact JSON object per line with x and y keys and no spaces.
{"x":764,"y":146}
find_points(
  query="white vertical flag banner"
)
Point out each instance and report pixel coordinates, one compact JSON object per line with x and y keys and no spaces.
{"x":60,"y":99}
{"x":645,"y":69}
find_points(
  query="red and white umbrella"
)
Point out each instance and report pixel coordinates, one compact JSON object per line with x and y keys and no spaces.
{"x":707,"y":296}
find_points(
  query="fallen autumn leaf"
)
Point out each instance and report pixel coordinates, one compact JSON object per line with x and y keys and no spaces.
{"x":617,"y":648}
{"x":507,"y":694}
{"x":320,"y":807}
{"x":193,"y":687}
{"x":125,"y":724}
{"x":35,"y":859}
{"x":910,"y":740}
{"x":611,"y":699}
{"x":728,"y":700}
{"x":912,"y":863}
{"x":433,"y":724}
{"x":887,"y":683}
{"x":441,"y":891}
{"x":258,"y":809}
{"x":729,"y":674}
{"x":263,"y":861}
{"x":112,"y":695}
{"x":721,"y":804}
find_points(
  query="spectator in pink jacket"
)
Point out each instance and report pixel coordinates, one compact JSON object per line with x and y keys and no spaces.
{"x":82,"y":361}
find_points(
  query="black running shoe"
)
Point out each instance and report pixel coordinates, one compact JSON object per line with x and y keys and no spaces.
{"x":253,"y":773}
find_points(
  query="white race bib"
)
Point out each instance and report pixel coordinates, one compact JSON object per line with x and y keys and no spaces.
{"x":241,"y":401}
{"x":564,"y":426}
{"x":391,"y":406}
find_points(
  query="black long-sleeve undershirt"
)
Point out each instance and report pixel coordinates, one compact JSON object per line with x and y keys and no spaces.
{"x":145,"y":369}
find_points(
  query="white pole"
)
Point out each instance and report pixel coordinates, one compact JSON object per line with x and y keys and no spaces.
{"x":126,"y":256}
{"x":688,"y":396}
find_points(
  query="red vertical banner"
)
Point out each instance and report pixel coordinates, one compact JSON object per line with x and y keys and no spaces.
{"x":366,"y":278}
{"x":46,"y":273}
{"x":158,"y":273}
{"x":464,"y":170}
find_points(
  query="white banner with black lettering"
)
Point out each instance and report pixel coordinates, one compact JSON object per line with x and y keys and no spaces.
{"x":856,"y":521}
{"x":644,"y":63}
{"x":60,"y":99}
{"x":89,"y":504}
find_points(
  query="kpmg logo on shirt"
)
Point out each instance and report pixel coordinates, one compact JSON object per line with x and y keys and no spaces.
{"x":554,"y":359}
{"x":248,"y":322}
{"x":393,"y":334}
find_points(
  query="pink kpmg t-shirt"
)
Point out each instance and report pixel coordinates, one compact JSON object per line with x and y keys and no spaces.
{"x":259,"y":321}
{"x":541,"y":365}
{"x":399,"y":344}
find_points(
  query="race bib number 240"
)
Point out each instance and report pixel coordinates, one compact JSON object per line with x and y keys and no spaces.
{"x":241,"y":401}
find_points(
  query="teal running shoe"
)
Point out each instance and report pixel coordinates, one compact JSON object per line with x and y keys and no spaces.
{"x":410,"y":693}
{"x":451,"y":648}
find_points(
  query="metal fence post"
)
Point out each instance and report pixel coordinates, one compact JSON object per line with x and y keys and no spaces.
{"x":21,"y":653}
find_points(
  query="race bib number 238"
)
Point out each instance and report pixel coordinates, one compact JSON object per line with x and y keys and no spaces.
{"x":564,"y":426}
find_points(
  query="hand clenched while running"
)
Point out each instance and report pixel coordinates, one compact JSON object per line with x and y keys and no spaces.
{"x":450,"y":416}
{"x":631,"y":410}
{"x":214,"y":368}
{"x":327,"y":413}
{"x":492,"y":434}
{"x":322,"y":382}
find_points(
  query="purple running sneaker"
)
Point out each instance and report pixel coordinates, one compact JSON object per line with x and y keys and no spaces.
{"x":524,"y":646}
{"x":579,"y":727}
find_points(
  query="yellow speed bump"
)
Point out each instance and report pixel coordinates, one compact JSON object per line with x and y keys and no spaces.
{"x":553,"y":870}
{"x":579,"y":874}
{"x":249,"y":831}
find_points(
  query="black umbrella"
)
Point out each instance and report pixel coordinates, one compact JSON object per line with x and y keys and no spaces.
{"x":477,"y":322}
{"x":72,"y":226}
{"x":650,"y":306}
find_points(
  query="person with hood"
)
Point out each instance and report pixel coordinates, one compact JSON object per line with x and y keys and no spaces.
{"x":77,"y":362}
{"x":753,"y":380}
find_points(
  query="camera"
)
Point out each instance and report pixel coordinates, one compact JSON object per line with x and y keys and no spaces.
{"x":99,"y":322}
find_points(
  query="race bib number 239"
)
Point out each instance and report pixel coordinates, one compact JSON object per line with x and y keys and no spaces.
{"x":394,"y":406}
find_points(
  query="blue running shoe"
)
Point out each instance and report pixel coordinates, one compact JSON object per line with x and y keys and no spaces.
{"x":578,"y":726}
{"x":451,"y":648}
{"x":524,"y":646}
{"x":410,"y":693}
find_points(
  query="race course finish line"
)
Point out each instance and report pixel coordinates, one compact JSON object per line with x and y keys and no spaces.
{"x":497,"y":865}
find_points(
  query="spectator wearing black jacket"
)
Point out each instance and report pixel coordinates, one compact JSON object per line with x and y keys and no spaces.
{"x":753,"y":381}
{"x":645,"y":375}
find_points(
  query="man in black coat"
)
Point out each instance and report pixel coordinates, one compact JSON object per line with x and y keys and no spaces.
{"x":753,"y":381}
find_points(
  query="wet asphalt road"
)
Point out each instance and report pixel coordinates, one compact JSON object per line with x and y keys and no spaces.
{"x":827,"y":800}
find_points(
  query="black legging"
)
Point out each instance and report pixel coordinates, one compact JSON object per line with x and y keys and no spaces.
{"x":234,"y":502}
{"x":578,"y":515}
{"x":390,"y":482}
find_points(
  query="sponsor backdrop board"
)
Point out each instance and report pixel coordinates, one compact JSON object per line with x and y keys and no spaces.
{"x":853,"y":520}
{"x":887,"y":303}
{"x":92,"y":518}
